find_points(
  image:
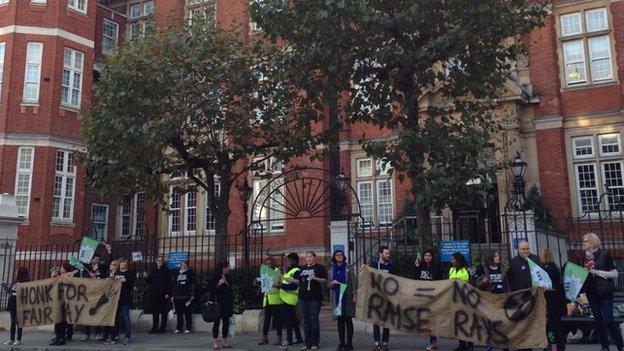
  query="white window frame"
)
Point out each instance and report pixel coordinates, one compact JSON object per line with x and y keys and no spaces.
{"x":376,"y":199}
{"x":359,"y":186}
{"x":135,"y":5}
{"x":66,"y":173}
{"x":121,"y":214}
{"x":360,"y":161}
{"x":76,"y":5}
{"x":578,"y":186}
{"x":136,"y":213}
{"x":93,"y":221}
{"x":378,"y":174}
{"x":36,"y":62}
{"x":2,"y":54}
{"x":4,"y":2}
{"x":580,"y":157}
{"x":144,"y":9}
{"x":582,"y":61}
{"x":208,"y":213}
{"x":580,"y":20}
{"x":114,"y":40}
{"x":187,"y":208}
{"x":175,"y":192}
{"x":38,"y":1}
{"x":73,"y":71}
{"x":600,"y":144}
{"x":24,"y":171}
{"x":604,"y":12}
{"x":592,"y":58}
{"x":604,"y":178}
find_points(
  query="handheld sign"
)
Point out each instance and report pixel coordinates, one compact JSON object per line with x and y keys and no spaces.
{"x":87,"y":249}
{"x":574,"y":277}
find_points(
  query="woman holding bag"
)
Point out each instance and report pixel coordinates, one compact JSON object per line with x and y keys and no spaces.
{"x":221,"y":294}
{"x":341,"y":275}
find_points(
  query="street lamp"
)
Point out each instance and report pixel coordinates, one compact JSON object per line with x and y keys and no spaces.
{"x":518,"y":168}
{"x":245,"y":191}
{"x":341,"y":183}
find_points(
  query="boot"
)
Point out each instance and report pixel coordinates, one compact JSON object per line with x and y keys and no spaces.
{"x":278,"y":341}
{"x":264,"y":340}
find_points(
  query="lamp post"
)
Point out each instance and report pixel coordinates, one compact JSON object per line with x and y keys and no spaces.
{"x":340,"y":182}
{"x":518,"y":168}
{"x":244,"y":191}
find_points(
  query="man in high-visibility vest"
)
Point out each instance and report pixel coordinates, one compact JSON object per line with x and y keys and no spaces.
{"x":289,"y":294}
{"x":272,"y":304}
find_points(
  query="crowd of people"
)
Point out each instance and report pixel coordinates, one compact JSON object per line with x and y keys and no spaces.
{"x":300,"y":293}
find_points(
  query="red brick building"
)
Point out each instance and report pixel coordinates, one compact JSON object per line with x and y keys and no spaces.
{"x":563,"y":107}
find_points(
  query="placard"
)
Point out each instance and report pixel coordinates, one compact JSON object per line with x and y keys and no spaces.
{"x":448,"y":248}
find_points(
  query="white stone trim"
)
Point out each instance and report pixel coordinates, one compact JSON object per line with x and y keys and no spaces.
{"x":548,"y":123}
{"x":11,"y":139}
{"x":55,"y":32}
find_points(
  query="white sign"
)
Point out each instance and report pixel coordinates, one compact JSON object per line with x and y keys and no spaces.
{"x":137,"y":256}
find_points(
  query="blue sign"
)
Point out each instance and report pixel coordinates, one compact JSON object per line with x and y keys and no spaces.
{"x":175,"y":258}
{"x":340,"y":247}
{"x":448,"y":248}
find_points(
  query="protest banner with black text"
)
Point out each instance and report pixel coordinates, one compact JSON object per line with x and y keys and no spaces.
{"x":452,"y":309}
{"x":80,"y":301}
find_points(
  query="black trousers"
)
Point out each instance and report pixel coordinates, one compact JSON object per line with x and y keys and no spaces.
{"x":160,"y":308}
{"x":14,"y":327}
{"x":60,"y":330}
{"x":272,"y":314}
{"x":553,"y":325}
{"x":225,"y":328}
{"x":291,"y":323}
{"x":183,"y":313}
{"x":345,"y":326}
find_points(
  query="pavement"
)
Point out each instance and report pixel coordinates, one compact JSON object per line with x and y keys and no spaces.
{"x":38,"y":341}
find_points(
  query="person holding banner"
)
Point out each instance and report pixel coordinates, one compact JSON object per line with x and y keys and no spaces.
{"x":519,"y":272}
{"x":555,"y":301}
{"x":63,"y":331}
{"x":343,"y":288}
{"x":289,"y":293}
{"x":159,"y":286}
{"x":384,"y":264}
{"x":127,"y":278}
{"x":272,"y":304}
{"x":11,"y":289}
{"x":183,"y":295}
{"x":310,"y":299}
{"x":599,"y":288}
{"x":94,"y":271}
{"x":428,"y":269}
{"x":108,"y":336}
{"x":459,"y":271}
{"x":490,"y":276}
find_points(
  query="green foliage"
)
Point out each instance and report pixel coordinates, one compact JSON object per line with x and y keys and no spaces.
{"x":535,"y":202}
{"x":428,"y":70}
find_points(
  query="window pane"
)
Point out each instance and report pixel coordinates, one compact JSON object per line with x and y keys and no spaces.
{"x":365,"y":195}
{"x":25,"y":158}
{"x":609,"y":144}
{"x":588,"y":193}
{"x":574,"y":61}
{"x":135,"y":11}
{"x":571,"y":24}
{"x":582,"y":147}
{"x":148,"y":8}
{"x":365,"y":167}
{"x":384,"y":201}
{"x":596,"y":20}
{"x":600,"y":55}
{"x":612,"y":173}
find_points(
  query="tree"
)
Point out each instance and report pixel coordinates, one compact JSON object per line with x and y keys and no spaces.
{"x":429,"y":70}
{"x":196,"y":101}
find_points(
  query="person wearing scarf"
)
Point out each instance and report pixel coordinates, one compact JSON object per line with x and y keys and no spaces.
{"x":343,"y":305}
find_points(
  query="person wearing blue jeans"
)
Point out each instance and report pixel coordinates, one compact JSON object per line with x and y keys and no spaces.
{"x":313,"y":276}
{"x":127,"y":279}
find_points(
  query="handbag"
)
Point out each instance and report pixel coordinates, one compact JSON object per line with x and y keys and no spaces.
{"x":210,"y":311}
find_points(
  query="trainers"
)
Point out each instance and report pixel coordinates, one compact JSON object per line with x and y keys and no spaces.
{"x":431,"y":347}
{"x":86,"y":338}
{"x":126,"y":341}
{"x":176,"y":332}
{"x":17,"y":343}
{"x":187,"y":331}
{"x":304,"y":348}
{"x":314,"y":347}
{"x":9,"y":342}
{"x":109,"y":342}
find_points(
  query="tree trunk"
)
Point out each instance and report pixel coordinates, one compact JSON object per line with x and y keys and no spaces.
{"x":221,"y":234}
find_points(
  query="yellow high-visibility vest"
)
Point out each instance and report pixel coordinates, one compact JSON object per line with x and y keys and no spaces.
{"x":290,"y":297}
{"x":273,"y":296}
{"x":461,"y":274}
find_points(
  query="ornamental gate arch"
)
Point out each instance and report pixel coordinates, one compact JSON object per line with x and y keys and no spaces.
{"x":303,"y":193}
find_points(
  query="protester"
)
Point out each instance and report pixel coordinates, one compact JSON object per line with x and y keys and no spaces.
{"x":459,"y":271}
{"x":310,"y":298}
{"x":93,"y":271}
{"x":490,"y":276}
{"x":289,"y":294}
{"x":384,"y":264}
{"x":599,"y":288}
{"x":183,"y":296}
{"x":107,"y":335}
{"x":272,"y":304}
{"x":221,"y":293}
{"x":11,"y":289}
{"x":62,"y":330}
{"x":555,"y":301}
{"x":427,"y":268}
{"x":159,"y":290}
{"x":519,"y":273}
{"x":127,"y":278}
{"x":342,"y":275}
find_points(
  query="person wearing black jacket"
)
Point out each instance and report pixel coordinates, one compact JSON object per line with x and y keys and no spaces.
{"x":383,"y":264}
{"x":519,"y":273}
{"x":159,"y":287}
{"x":313,"y":277}
{"x":94,"y":271}
{"x":428,"y":269}
{"x":127,"y":278}
{"x":555,"y":301}
{"x":11,"y":289}
{"x":183,"y":295}
{"x":221,"y":293}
